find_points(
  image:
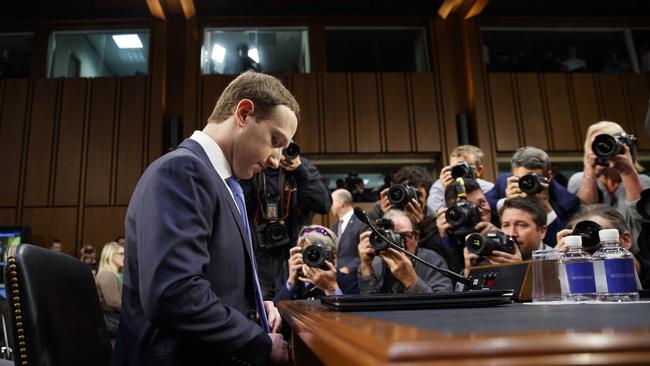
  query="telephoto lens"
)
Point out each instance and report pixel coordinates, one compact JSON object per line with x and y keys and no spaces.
{"x":379,"y":244}
{"x":484,"y":246}
{"x":316,"y":254}
{"x":588,"y":230}
{"x":532,"y":183}
{"x":463,"y":170}
{"x":291,"y":152}
{"x":400,"y":195}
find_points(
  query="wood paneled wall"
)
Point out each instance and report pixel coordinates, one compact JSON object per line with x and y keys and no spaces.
{"x":553,"y":111}
{"x":72,"y":151}
{"x":356,"y":113}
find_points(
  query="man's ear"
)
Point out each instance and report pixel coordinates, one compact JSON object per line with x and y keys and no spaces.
{"x":549,"y":175}
{"x":244,"y":108}
{"x":626,"y":240}
{"x":479,"y":171}
{"x":542,"y":232}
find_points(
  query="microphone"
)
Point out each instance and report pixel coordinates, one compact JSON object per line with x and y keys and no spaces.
{"x":361,"y":215}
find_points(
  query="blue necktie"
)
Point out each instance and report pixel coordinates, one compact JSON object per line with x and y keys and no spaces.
{"x":239,"y":200}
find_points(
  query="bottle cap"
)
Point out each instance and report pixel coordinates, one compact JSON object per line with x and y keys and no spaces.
{"x":608,"y":235}
{"x":573,"y":241}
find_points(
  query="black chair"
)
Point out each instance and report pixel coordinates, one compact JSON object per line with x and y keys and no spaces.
{"x":54,"y":312}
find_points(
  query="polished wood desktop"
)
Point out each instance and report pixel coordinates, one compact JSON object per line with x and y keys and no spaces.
{"x":324,"y":336}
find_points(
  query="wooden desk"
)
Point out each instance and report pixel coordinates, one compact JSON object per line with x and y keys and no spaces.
{"x":463,"y":336}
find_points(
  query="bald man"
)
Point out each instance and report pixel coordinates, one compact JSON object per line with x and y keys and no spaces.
{"x":348,"y":228}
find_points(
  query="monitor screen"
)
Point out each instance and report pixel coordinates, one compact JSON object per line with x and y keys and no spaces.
{"x":10,"y":236}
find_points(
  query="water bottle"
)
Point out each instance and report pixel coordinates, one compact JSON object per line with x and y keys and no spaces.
{"x":614,"y":269}
{"x":579,"y":270}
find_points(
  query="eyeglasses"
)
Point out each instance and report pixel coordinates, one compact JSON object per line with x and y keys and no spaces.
{"x":319,"y":230}
{"x":406,"y":235}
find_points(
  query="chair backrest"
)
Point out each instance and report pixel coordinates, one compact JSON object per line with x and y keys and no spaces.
{"x":55,"y":316}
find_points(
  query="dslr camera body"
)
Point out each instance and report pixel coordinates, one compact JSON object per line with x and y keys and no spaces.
{"x":401,"y":194}
{"x":316,"y":254}
{"x":463,"y":217}
{"x":463,"y":170}
{"x":272,"y":232}
{"x":495,"y":240}
{"x":531,"y":183}
{"x":606,"y":147}
{"x":385,"y":227}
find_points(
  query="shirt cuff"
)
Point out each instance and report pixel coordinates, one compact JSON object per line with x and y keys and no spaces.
{"x":550,"y":217}
{"x":290,"y":288}
{"x":500,"y":204}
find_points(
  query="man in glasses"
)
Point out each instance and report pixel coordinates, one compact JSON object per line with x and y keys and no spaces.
{"x":391,"y":271}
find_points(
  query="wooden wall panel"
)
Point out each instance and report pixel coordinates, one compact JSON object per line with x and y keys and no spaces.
{"x":41,"y":133}
{"x":304,"y":88}
{"x":213,"y":86}
{"x":639,"y":97}
{"x":560,"y":117}
{"x":614,"y":100}
{"x":336,"y":117}
{"x":425,"y":113}
{"x":130,"y":137}
{"x":12,"y":126}
{"x":102,"y":225}
{"x":586,"y":102}
{"x":71,"y":135}
{"x":101,"y":123}
{"x":396,"y":112}
{"x":532,"y":111}
{"x":50,"y":223}
{"x":7,"y":217}
{"x":367,"y":121}
{"x":503,"y":112}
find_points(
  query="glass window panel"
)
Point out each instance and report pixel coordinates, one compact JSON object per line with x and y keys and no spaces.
{"x":231,"y":51}
{"x":15,"y":55}
{"x":642,"y":44}
{"x":102,"y":53}
{"x":376,"y":50}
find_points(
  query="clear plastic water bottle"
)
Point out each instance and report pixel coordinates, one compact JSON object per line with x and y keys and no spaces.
{"x":579,"y":270}
{"x":614,"y":269}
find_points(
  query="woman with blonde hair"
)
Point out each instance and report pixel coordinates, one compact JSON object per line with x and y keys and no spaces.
{"x":109,"y":284}
{"x":617,"y":184}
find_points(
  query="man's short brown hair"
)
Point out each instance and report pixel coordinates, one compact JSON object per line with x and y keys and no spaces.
{"x":470,"y":151}
{"x":265,"y":91}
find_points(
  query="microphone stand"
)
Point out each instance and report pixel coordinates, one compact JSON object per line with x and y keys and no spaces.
{"x":361,"y":215}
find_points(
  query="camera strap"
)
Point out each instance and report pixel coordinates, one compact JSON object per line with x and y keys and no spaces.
{"x":284,"y":189}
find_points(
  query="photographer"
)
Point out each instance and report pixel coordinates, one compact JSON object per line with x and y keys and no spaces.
{"x":453,"y":244}
{"x":391,"y":271}
{"x":466,"y":159}
{"x":280,"y":202}
{"x":531,"y":176}
{"x":615,"y":181}
{"x":408,"y":192}
{"x":307,"y":282}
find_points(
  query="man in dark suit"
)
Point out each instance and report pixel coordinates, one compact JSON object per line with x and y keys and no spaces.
{"x":191,"y":294}
{"x":348,"y":228}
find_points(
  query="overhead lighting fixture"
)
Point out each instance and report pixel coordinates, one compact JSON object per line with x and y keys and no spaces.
{"x":127,"y":41}
{"x":252,"y":53}
{"x":218,"y":53}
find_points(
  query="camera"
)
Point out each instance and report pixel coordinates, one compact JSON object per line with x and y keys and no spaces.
{"x":316,"y":254}
{"x":385,"y":227}
{"x":463,"y":216}
{"x":463,"y":170}
{"x":291,"y":152}
{"x":272,"y":234}
{"x":607,"y":146}
{"x":484,"y":246}
{"x":588,"y":230}
{"x":88,"y":250}
{"x":531,"y":183}
{"x":401,"y":194}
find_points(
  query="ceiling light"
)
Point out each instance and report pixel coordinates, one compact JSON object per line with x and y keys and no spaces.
{"x":127,"y":41}
{"x":218,"y":53}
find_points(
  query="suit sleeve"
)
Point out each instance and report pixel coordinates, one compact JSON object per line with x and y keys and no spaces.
{"x":175,"y":226}
{"x":314,"y":196}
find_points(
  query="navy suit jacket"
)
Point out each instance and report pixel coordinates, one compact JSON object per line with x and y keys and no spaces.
{"x":564,"y":203}
{"x":188,"y":296}
{"x":348,"y":255}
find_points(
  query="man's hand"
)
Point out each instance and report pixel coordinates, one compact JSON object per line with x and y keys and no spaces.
{"x":366,"y":251}
{"x":544,"y":198}
{"x":445,"y":177}
{"x":290,"y":165}
{"x":400,"y":265}
{"x":295,"y":264}
{"x":415,"y":211}
{"x":561,"y":245}
{"x":442,"y":224}
{"x":324,"y":279}
{"x":279,"y":350}
{"x":498,"y":257}
{"x":484,"y":228}
{"x":512,"y":190}
{"x":468,"y":258}
{"x":273,"y":315}
{"x":385,"y":203}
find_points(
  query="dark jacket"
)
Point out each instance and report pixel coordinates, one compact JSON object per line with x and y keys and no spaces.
{"x":348,"y":283}
{"x":348,"y":254}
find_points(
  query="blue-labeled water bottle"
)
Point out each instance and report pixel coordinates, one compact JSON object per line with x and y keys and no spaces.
{"x":614,"y":269}
{"x":579,"y":270}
